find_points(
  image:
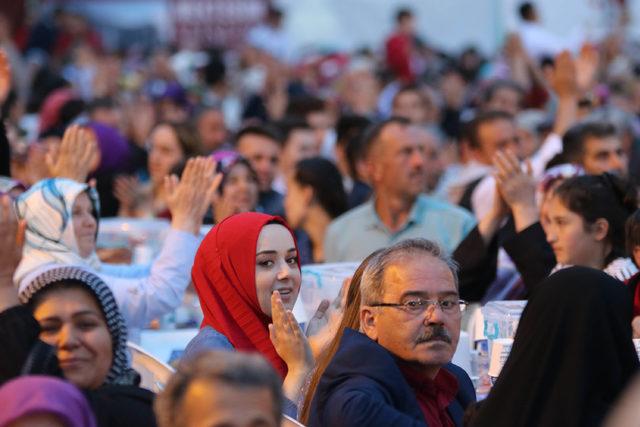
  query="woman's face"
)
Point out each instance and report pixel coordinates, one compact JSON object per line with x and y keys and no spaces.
{"x":84,"y":225}
{"x":572,"y":242}
{"x":71,"y":321}
{"x":240,"y":191}
{"x":276,"y":267}
{"x":165,"y":152}
{"x":296,"y":202}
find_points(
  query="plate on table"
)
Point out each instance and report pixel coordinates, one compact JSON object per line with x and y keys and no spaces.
{"x":144,"y":237}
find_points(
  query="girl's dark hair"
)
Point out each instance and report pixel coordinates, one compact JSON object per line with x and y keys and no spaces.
{"x":325,"y":179}
{"x":604,"y":196}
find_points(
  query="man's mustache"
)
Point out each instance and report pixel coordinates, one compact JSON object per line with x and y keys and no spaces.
{"x":435,"y":333}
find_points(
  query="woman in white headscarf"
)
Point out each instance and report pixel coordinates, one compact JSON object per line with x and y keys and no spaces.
{"x":61,"y":227}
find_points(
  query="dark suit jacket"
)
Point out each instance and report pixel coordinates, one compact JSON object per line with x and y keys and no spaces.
{"x":363,"y":386}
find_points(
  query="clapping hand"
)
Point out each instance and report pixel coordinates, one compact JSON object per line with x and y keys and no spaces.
{"x":287,"y":337}
{"x":76,"y":156}
{"x":517,"y":188}
{"x":11,"y":242}
{"x":5,"y":77}
{"x":189,"y":198}
{"x":291,"y":345}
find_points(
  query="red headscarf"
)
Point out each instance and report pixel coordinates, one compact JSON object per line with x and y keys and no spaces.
{"x":224,"y":275}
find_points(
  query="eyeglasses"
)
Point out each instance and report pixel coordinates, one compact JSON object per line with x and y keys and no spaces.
{"x":419,"y":305}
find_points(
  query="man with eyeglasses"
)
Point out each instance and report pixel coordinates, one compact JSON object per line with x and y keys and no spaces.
{"x":396,"y":370}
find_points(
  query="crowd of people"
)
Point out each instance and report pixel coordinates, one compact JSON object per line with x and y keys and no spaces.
{"x":453,"y":179}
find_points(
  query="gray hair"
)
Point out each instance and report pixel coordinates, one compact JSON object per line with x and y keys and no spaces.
{"x":232,"y":368}
{"x":372,"y":284}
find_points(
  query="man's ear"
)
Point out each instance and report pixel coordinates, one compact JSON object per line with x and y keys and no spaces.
{"x":307,"y":194}
{"x":368,"y":323}
{"x":600,"y":229}
{"x":373,"y":170}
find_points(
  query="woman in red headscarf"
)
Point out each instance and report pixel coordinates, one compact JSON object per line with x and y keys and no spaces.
{"x":247,"y":275}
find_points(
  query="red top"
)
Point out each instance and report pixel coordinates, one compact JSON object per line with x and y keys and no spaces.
{"x":634,"y":282}
{"x":224,"y":276}
{"x":398,"y":50}
{"x":434,"y":395}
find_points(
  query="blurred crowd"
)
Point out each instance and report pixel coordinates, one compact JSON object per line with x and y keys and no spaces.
{"x":456,"y":178}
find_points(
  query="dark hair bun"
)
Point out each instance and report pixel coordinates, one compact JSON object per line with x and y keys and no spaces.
{"x":625,"y":191}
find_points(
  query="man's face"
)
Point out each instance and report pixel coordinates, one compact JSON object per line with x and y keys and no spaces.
{"x":432,"y":157}
{"x":604,"y":155}
{"x":505,"y":99}
{"x":397,"y":162}
{"x":429,"y":339}
{"x":496,"y":135}
{"x":214,"y":403}
{"x":409,"y":104}
{"x":263,"y":154}
{"x":212,"y":129}
{"x":300,"y":145}
{"x":408,"y":25}
{"x":321,"y":122}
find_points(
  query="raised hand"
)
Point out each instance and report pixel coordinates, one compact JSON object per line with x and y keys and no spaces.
{"x":287,"y":337}
{"x":11,"y":242}
{"x":517,"y":188}
{"x":5,"y":77}
{"x":319,"y":320}
{"x":76,"y":156}
{"x":564,"y":80}
{"x":189,"y":198}
{"x":587,"y":64}
{"x":291,"y":345}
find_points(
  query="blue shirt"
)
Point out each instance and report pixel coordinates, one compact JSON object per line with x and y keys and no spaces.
{"x":355,"y":234}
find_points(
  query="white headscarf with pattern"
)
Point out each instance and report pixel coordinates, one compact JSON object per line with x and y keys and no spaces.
{"x":47,"y":209}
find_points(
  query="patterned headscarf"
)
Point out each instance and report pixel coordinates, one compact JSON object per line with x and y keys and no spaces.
{"x":120,"y":372}
{"x":48,"y":210}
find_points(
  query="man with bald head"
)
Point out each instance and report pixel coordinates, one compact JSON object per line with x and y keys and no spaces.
{"x":398,"y":209}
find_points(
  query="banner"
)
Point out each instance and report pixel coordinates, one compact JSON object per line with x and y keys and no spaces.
{"x":210,"y":23}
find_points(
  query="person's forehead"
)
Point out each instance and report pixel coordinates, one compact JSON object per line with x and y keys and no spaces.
{"x":274,"y":237}
{"x":506,"y":91}
{"x":418,"y":273}
{"x":408,"y":96}
{"x":596,"y":144}
{"x":496,"y":130}
{"x":423,"y":137}
{"x":66,"y":301}
{"x":557,"y":208}
{"x":217,"y":402}
{"x":394,"y":135}
{"x":302,"y":135}
{"x":253,"y":143}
